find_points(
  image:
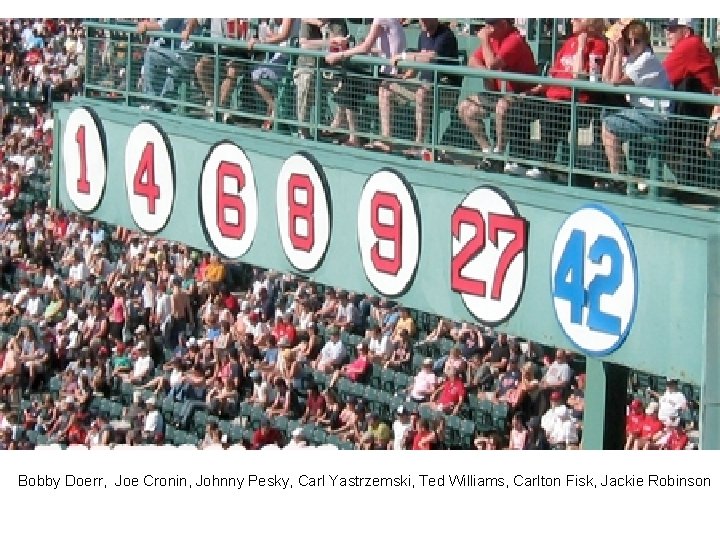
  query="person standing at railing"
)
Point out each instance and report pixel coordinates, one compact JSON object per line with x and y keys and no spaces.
{"x":272,"y":70}
{"x":159,"y":57}
{"x":502,"y":48}
{"x":646,"y":116}
{"x":386,"y":38}
{"x":582,"y":56}
{"x":317,"y":34}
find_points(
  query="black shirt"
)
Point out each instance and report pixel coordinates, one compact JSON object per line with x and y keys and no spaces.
{"x":445,"y":45}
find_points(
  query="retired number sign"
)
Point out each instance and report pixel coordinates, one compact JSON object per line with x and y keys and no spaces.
{"x":85,"y":159}
{"x":149,"y":177}
{"x":388,"y":229}
{"x":489,"y":247}
{"x":228,"y":200}
{"x":594,"y":280}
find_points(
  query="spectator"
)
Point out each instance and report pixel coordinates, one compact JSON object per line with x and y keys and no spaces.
{"x":265,"y":435}
{"x":385,"y":37}
{"x":436,"y":43}
{"x":355,"y":370}
{"x":424,"y":384}
{"x":557,"y":378}
{"x":332,"y":355}
{"x":502,"y":48}
{"x":160,"y":59}
{"x":297,"y":440}
{"x":287,"y":33}
{"x":646,"y":116}
{"x":652,"y":428}
{"x":518,"y":433}
{"x":559,"y":425}
{"x":450,"y":395}
{"x":671,"y":403}
{"x":401,"y":428}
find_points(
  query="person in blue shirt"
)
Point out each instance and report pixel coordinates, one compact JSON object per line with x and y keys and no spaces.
{"x":160,"y":58}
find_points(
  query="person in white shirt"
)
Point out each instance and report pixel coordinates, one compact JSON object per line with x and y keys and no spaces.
{"x":297,"y":441}
{"x":78,"y":272}
{"x":646,"y":116}
{"x":557,"y":378}
{"x":153,"y":426}
{"x":424,"y":383}
{"x":35,"y":306}
{"x":672,"y":402}
{"x":163,"y":305}
{"x":400,"y":428}
{"x":559,"y":425}
{"x":332,"y":354}
{"x":143,"y":365}
{"x":261,"y":395}
{"x":380,"y":346}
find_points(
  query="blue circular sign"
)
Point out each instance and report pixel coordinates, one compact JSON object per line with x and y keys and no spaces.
{"x":594,"y":280}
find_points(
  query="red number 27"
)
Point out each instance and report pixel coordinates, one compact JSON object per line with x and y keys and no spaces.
{"x":497,"y":223}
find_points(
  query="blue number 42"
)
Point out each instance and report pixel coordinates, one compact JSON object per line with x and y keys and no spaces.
{"x":570,"y":279}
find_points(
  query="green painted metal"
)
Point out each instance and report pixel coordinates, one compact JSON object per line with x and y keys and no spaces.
{"x":671,"y":242}
{"x":604,"y":416}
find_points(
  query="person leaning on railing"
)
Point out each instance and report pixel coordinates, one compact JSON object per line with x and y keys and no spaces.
{"x":320,"y":34}
{"x":385,"y":37}
{"x":646,"y":117}
{"x":436,"y":44}
{"x":502,"y":48}
{"x":273,"y":69}
{"x":581,"y":56}
{"x":159,"y":57}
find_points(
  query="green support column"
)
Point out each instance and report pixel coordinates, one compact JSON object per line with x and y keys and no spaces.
{"x":710,"y":389}
{"x":605,"y":396}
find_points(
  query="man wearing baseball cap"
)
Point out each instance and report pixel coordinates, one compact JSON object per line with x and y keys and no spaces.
{"x":400,"y":428}
{"x":689,"y":64}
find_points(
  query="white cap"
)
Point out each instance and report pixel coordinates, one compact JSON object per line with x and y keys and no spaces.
{"x":681,"y":22}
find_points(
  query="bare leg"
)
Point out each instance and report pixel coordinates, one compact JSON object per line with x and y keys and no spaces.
{"x":228,"y":85}
{"x":613,"y":150}
{"x":501,"y":111}
{"x":421,"y":114}
{"x":470,"y":112}
{"x":204,"y":73}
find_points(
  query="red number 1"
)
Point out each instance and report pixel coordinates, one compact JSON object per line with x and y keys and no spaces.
{"x":146,"y":170}
{"x":83,"y":186}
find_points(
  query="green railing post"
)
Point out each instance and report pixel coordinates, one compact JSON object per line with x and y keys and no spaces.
{"x":317,"y":97}
{"x":435,"y":116}
{"x":128,"y":69}
{"x":216,"y":81}
{"x":573,"y":136}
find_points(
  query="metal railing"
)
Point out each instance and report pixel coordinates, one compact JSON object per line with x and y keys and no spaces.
{"x":294,"y":91}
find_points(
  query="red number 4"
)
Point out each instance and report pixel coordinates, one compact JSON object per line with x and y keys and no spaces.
{"x":146,"y":170}
{"x":497,"y":223}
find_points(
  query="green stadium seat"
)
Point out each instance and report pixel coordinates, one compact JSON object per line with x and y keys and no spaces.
{"x":225,"y":426}
{"x":376,"y":377}
{"x":24,"y":404}
{"x":257,"y":414}
{"x":319,"y":436}
{"x":320,"y":379}
{"x":179,"y":437}
{"x":291,"y":425}
{"x":482,"y":415}
{"x":169,"y":433}
{"x":387,"y":379}
{"x":347,"y":445}
{"x":236,"y":433}
{"x":167,"y":409}
{"x":245,"y":409}
{"x":372,"y":399}
{"x":452,"y":430}
{"x":334,"y":440}
{"x":105,"y":406}
{"x":343,"y":388}
{"x":200,"y":420}
{"x":280,"y":423}
{"x":467,"y":433}
{"x":116,"y":410}
{"x":41,"y":439}
{"x":500,"y":414}
{"x":191,"y":438}
{"x":402,"y":381}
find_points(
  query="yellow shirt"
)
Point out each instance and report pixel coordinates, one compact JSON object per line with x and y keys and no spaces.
{"x":215,"y":272}
{"x":405,"y":324}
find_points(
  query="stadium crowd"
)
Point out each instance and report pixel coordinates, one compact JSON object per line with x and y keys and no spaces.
{"x":113,"y":337}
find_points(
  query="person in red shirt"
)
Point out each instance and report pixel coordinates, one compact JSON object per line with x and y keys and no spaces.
{"x":355,"y":369}
{"x":502,"y":48}
{"x":651,"y":430}
{"x":449,"y":397}
{"x":690,"y":65}
{"x":265,"y":435}
{"x":633,"y":423}
{"x":314,"y":405}
{"x":678,"y":439}
{"x":581,"y":56}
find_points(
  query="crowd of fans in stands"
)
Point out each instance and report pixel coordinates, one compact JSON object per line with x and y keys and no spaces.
{"x":102,"y":311}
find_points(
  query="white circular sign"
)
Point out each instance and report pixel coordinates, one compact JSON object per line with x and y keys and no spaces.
{"x":228,"y":200}
{"x":84,"y":159}
{"x":149,"y":177}
{"x":489,"y":254}
{"x":594,"y":280}
{"x":303,"y":212}
{"x":388,"y":232}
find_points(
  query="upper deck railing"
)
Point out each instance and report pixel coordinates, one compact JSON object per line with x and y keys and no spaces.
{"x":222,"y":80}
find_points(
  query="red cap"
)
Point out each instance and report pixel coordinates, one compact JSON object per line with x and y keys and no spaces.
{"x":103,"y":351}
{"x":119,"y":348}
{"x":556,"y":396}
{"x":636,"y":404}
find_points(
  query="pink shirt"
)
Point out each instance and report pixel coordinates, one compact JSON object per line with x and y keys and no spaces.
{"x":424,"y":384}
{"x":117,"y":311}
